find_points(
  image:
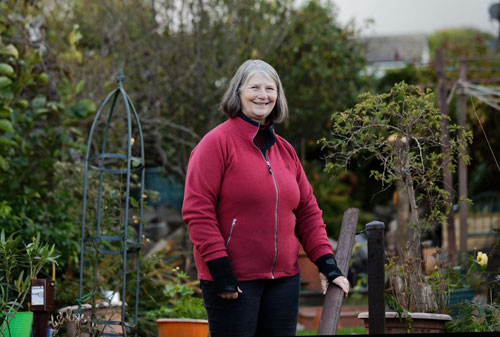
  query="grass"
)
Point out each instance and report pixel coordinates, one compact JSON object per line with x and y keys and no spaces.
{"x":342,"y":331}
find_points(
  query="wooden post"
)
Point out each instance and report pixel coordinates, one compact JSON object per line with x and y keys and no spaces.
{"x":445,"y":136}
{"x":42,"y":304}
{"x":462,"y":167}
{"x":376,"y":277}
{"x":334,"y":295}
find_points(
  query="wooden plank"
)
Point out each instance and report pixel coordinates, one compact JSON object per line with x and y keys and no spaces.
{"x":445,"y":136}
{"x":334,"y":295}
{"x":462,"y":166}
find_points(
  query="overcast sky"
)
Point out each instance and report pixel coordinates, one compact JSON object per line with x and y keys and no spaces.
{"x":417,"y":16}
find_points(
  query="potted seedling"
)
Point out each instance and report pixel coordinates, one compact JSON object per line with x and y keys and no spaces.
{"x":19,"y":264}
{"x":182,"y":313}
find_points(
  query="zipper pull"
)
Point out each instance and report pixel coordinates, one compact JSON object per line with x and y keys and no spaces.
{"x":269,"y":167}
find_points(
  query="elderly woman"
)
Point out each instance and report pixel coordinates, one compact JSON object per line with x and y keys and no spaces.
{"x":248,"y":204}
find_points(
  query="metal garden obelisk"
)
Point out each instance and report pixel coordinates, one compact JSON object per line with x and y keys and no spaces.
{"x":111,"y":231}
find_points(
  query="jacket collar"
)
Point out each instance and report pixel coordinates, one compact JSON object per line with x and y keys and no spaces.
{"x":247,"y":127}
{"x":251,"y":121}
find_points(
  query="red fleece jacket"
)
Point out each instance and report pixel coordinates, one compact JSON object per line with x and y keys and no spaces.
{"x":252,"y":210}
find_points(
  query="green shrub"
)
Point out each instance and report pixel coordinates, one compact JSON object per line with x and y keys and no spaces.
{"x":475,"y":317}
{"x":19,"y":264}
{"x":180,"y":300}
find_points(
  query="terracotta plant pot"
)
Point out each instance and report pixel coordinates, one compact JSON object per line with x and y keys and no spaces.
{"x":421,"y":322}
{"x":182,"y":327}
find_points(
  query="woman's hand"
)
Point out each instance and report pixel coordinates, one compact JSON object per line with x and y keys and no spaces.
{"x":340,"y":282}
{"x":230,"y":295}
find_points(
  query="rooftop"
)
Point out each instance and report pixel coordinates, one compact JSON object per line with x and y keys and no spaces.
{"x":404,"y":48}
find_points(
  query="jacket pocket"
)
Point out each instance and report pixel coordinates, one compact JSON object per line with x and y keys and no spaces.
{"x":233,"y":224}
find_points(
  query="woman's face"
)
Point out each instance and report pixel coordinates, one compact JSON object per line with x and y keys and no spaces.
{"x":258,"y":97}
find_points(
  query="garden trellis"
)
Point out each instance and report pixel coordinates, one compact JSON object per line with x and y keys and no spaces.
{"x":487,"y":95}
{"x":474,"y":74}
{"x":111,"y":231}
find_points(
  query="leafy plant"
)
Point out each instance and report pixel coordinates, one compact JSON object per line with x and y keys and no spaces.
{"x":401,"y":129}
{"x":18,"y":265}
{"x":332,"y":199}
{"x":39,"y":138}
{"x":476,"y":317}
{"x":81,"y":323}
{"x":181,"y":302}
{"x":471,"y":274}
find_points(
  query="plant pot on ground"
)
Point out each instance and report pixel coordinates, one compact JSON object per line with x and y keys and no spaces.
{"x":183,"y":313}
{"x":19,"y":264}
{"x":415,"y":322}
{"x":400,"y":131}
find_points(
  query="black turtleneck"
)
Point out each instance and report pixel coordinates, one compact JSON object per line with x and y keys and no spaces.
{"x":265,"y":137}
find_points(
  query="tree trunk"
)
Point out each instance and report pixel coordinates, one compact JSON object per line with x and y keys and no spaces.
{"x":415,"y":253}
{"x":402,"y":218}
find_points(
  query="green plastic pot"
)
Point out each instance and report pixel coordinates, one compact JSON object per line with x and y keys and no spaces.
{"x":457,"y":297}
{"x":20,"y":325}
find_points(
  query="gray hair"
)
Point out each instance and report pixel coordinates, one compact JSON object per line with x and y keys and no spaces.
{"x":231,"y":102}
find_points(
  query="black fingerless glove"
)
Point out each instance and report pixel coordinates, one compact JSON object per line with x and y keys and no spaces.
{"x":222,"y":274}
{"x":328,"y":267}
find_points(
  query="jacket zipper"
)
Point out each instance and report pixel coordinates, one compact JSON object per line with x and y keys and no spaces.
{"x":275,"y":209}
{"x":231,"y":232}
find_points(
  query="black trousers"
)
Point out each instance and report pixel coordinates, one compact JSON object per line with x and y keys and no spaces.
{"x":265,"y":308}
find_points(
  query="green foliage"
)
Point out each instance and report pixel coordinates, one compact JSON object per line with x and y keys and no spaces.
{"x":40,"y":139}
{"x":483,"y":173}
{"x":354,"y":330}
{"x":180,"y":300}
{"x":319,"y":62}
{"x":461,"y":42}
{"x":19,"y":264}
{"x":409,"y":74}
{"x":333,"y":197}
{"x":470,"y":274}
{"x":401,"y":130}
{"x":156,"y":272}
{"x":476,"y":317}
{"x":37,"y":133}
{"x":181,"y":56}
